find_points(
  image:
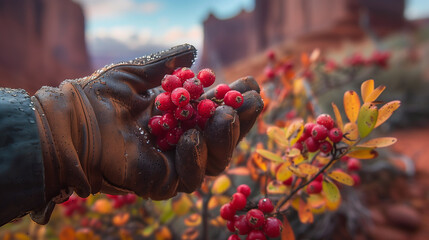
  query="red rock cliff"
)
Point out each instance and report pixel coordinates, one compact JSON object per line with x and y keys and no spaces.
{"x":42,"y":43}
{"x":276,"y":21}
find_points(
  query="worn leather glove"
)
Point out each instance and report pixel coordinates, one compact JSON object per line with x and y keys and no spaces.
{"x":94,"y":133}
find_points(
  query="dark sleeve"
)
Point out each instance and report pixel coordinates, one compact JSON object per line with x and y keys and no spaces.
{"x":21,"y":164}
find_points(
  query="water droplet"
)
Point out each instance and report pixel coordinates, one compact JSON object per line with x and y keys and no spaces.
{"x":31,"y":121}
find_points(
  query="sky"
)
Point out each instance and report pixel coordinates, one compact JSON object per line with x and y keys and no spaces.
{"x":121,"y":30}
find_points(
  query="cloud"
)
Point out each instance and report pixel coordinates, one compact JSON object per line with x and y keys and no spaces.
{"x":98,"y":9}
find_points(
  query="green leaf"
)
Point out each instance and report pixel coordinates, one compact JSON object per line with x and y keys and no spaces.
{"x":367,"y":119}
{"x":331,"y":191}
{"x":269,"y":155}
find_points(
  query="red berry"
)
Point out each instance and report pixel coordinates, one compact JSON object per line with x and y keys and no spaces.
{"x":130,"y":198}
{"x":238,"y":201}
{"x":255,"y":218}
{"x":308,"y":128}
{"x":234,"y":237}
{"x":326,"y":121}
{"x":265,"y":205}
{"x":180,"y":97}
{"x":312,"y":145}
{"x":271,"y":55}
{"x":206,"y":76}
{"x":168,"y":121}
{"x":170,"y":82}
{"x":273,"y":227}
{"x":319,"y":178}
{"x":155,"y":127}
{"x":319,"y":132}
{"x":335,"y":135}
{"x":189,"y":123}
{"x":269,"y":72}
{"x":325,"y":147}
{"x":233,"y":99}
{"x":241,"y":225}
{"x":221,"y":90}
{"x":194,"y":87}
{"x":163,"y":102}
{"x":244,"y":189}
{"x":206,"y":108}
{"x":288,"y":181}
{"x":184,"y":113}
{"x":353,"y":164}
{"x":230,"y":224}
{"x":227,"y":212}
{"x":184,"y":74}
{"x":256,"y":235}
{"x":174,"y":135}
{"x":356,"y":179}
{"x":163,"y":144}
{"x":201,"y":121}
{"x":314,"y":187}
{"x":298,"y":145}
{"x":344,"y":158}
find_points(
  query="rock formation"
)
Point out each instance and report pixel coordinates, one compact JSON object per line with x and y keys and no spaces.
{"x":42,"y":43}
{"x":275,"y":21}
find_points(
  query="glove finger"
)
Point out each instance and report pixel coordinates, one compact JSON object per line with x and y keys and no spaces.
{"x":242,"y":85}
{"x":191,"y":160}
{"x":221,"y":133}
{"x":249,"y":111}
{"x":147,"y":72}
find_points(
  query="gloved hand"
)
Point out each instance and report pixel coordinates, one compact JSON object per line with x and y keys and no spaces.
{"x":95,"y":139}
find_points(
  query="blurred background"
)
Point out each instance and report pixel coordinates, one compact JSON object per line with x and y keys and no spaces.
{"x":43,"y":42}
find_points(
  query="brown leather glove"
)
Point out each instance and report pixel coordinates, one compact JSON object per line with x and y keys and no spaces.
{"x":95,"y":139}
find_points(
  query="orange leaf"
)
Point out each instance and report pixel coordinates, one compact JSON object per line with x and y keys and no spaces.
{"x":363,"y":153}
{"x":287,"y":231}
{"x":67,"y":233}
{"x":366,"y":89}
{"x":304,"y":212}
{"x":190,"y":234}
{"x":103,"y":206}
{"x":316,"y":201}
{"x":239,"y":171}
{"x":120,"y":219}
{"x":163,"y":233}
{"x":125,"y":234}
{"x":193,"y":220}
{"x":351,"y":105}
{"x":374,"y":94}
{"x":379,"y":142}
{"x":338,"y":116}
{"x":221,"y":184}
{"x":386,"y":111}
{"x":341,"y":177}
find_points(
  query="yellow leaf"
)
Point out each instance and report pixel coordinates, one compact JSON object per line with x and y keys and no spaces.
{"x":21,"y":236}
{"x":386,"y":111}
{"x":351,"y":131}
{"x":338,"y":116}
{"x":181,"y":204}
{"x":351,"y":105}
{"x":294,"y":128}
{"x":374,"y":94}
{"x":298,"y":134}
{"x":294,"y":152}
{"x":221,"y":184}
{"x":276,"y":187}
{"x":333,"y":206}
{"x":287,"y":231}
{"x":298,"y":159}
{"x":308,"y":169}
{"x":278,"y":135}
{"x":218,"y":200}
{"x":367,"y":118}
{"x":363,"y":153}
{"x":366,"y":89}
{"x":283,"y":172}
{"x":260,"y":163}
{"x":331,"y":191}
{"x":269,"y":155}
{"x":341,"y":177}
{"x":304,"y":212}
{"x":379,"y":142}
{"x":296,"y":171}
{"x":193,"y":220}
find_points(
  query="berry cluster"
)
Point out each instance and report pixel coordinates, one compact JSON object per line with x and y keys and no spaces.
{"x":74,"y":204}
{"x":319,"y":136}
{"x":181,"y":105}
{"x":121,"y":200}
{"x":254,"y":223}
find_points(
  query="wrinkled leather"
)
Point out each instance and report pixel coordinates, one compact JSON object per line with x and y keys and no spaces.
{"x":94,"y":132}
